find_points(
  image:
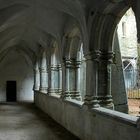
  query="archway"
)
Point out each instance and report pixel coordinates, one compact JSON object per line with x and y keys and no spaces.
{"x":17,"y":66}
{"x":127,"y":37}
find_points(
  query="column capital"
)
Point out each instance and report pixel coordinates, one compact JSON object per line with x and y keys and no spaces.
{"x":69,"y":63}
{"x":55,"y":67}
{"x":110,"y":57}
{"x":36,"y":70}
{"x":78,"y":64}
{"x":42,"y":69}
{"x":107,"y":56}
{"x":94,"y":55}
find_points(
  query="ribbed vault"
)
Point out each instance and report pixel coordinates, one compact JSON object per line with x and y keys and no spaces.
{"x":33,"y":22}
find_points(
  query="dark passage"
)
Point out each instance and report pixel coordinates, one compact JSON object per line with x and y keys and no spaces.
{"x":23,"y":121}
{"x":11,"y":91}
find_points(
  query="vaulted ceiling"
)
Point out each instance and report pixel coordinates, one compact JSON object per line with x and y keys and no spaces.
{"x":29,"y":24}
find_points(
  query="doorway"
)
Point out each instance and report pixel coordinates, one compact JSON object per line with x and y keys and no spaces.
{"x":11,"y":91}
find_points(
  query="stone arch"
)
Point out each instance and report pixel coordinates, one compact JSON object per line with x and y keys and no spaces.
{"x":28,"y":54}
{"x":107,"y":65}
{"x":73,"y":59}
{"x":72,"y":43}
{"x":101,"y":27}
{"x":18,"y":66}
{"x":55,"y":53}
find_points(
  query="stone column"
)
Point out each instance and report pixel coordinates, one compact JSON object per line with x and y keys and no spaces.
{"x":77,"y":88}
{"x":83,"y":78}
{"x":55,"y":87}
{"x":78,"y":75}
{"x":65,"y":80}
{"x":109,"y":100}
{"x":71,"y":79}
{"x":43,"y":80}
{"x":74,"y":83}
{"x":60,"y":79}
{"x":43,"y":75}
{"x":92,"y":60}
{"x":63,"y":95}
{"x":105,"y":97}
{"x":36,"y":78}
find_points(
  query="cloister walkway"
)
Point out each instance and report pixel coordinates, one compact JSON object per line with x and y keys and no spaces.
{"x":23,"y":121}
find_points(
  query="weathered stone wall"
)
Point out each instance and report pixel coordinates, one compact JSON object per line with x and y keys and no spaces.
{"x":128,"y":39}
{"x":15,"y":67}
{"x":93,"y":124}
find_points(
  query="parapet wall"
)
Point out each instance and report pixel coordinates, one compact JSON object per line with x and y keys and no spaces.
{"x":89,"y":124}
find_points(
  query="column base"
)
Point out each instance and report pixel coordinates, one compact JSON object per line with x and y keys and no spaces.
{"x":43,"y":89}
{"x":75,"y":95}
{"x":65,"y":95}
{"x":91,"y":102}
{"x":106,"y":102}
{"x":55,"y":92}
{"x":36,"y":88}
{"x":71,"y":95}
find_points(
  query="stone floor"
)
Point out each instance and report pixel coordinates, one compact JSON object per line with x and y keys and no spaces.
{"x":23,"y":121}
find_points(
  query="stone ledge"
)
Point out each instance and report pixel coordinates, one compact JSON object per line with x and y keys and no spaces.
{"x":118,"y":116}
{"x":89,"y":124}
{"x":112,"y":114}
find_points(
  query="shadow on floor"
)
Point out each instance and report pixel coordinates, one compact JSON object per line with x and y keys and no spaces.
{"x":24,"y":121}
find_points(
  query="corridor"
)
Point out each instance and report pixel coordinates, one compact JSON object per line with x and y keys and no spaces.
{"x":23,"y":121}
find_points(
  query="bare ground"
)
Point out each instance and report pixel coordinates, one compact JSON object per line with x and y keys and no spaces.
{"x":134,"y":106}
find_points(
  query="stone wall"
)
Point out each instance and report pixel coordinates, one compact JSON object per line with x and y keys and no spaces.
{"x":93,"y":124}
{"x":127,"y":33}
{"x":14,"y":67}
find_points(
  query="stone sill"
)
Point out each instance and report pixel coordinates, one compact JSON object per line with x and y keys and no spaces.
{"x":112,"y":114}
{"x":118,"y":116}
{"x":74,"y":102}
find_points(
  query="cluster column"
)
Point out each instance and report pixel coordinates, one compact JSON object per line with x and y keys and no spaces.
{"x":74,"y":69}
{"x":55,"y":80}
{"x":92,"y":60}
{"x":65,"y":81}
{"x":71,"y":89}
{"x":43,"y":75}
{"x":77,"y":84}
{"x":36,"y":78}
{"x":105,"y":97}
